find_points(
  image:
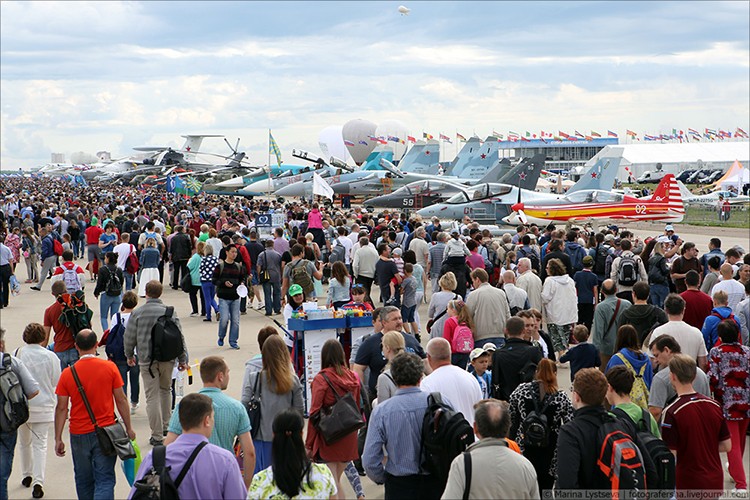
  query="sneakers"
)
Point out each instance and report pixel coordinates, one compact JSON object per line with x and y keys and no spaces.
{"x":26,"y":482}
{"x":38,"y":491}
{"x":133,"y":407}
{"x":391,"y":301}
{"x":221,"y":342}
{"x":207,"y":319}
{"x":154,"y":442}
{"x":234,"y":346}
{"x":739,"y":492}
{"x":36,"y":288}
{"x":193,"y":315}
{"x":259,"y":306}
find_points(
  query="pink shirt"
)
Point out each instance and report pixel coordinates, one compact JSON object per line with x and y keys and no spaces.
{"x":314,"y":219}
{"x":474,"y":261}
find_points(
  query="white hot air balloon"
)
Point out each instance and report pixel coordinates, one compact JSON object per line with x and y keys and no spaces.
{"x":404,"y":10}
{"x":392,"y":130}
{"x":357,"y":135}
{"x":331,"y":143}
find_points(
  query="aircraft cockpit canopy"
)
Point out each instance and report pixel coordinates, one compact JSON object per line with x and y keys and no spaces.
{"x":594,"y":196}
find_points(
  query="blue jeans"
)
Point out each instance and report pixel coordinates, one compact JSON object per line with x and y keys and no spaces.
{"x":77,"y":248}
{"x":128,"y":280}
{"x":230,"y":310}
{"x":7,"y":449}
{"x":659,"y":294}
{"x":209,"y":297}
{"x":135,"y":385}
{"x":272,"y":296}
{"x":67,"y":358}
{"x":108,"y":307}
{"x":94,"y":473}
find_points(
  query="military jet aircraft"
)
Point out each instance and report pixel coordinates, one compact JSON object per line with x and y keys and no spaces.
{"x":491,"y":203}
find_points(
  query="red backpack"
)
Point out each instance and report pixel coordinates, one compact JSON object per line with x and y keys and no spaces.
{"x":132,"y":265}
{"x":463,"y":340}
{"x":57,"y":247}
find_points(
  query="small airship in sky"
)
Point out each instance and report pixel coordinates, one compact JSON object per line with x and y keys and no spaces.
{"x":404,"y":10}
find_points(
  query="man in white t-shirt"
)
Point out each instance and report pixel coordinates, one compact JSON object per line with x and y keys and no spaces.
{"x":347,"y":244}
{"x":123,"y":251}
{"x":459,"y":386}
{"x":734,"y":289}
{"x":690,"y":338}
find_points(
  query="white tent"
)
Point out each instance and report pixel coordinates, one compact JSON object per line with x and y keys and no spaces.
{"x":738,"y":179}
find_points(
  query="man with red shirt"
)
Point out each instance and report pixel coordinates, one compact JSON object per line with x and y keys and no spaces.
{"x":101,"y":382}
{"x":65,"y":348}
{"x":694,"y":427}
{"x":93,"y":232}
{"x":698,"y":305}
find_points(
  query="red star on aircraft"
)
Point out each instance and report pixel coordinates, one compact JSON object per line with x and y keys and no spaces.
{"x":483,"y":156}
{"x":187,"y":149}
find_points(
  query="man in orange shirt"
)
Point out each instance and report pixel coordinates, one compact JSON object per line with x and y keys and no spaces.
{"x":102,"y":384}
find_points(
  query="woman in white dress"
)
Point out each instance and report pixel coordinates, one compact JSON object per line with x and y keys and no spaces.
{"x":149,"y":260}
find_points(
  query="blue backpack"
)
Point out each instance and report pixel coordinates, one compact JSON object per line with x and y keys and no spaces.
{"x":115,"y":347}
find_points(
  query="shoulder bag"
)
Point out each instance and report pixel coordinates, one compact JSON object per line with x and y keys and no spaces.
{"x":253,"y":406}
{"x":113,"y":439}
{"x":340,"y":419}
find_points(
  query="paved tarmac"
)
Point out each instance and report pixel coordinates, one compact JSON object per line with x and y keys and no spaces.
{"x":201,"y":339}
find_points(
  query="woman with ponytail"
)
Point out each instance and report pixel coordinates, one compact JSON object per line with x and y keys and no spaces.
{"x":458,"y":315}
{"x":393,"y":343}
{"x":545,"y":397}
{"x":291,"y":474}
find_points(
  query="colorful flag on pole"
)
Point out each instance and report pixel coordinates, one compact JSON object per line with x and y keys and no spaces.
{"x":460,"y":137}
{"x":364,"y":143}
{"x":273,"y":148}
{"x":445,"y":138}
{"x":630,"y":133}
{"x":411,"y":139}
{"x":427,"y":136}
{"x":595,"y":134}
{"x":578,"y":134}
{"x":497,"y":134}
{"x":611,"y":134}
{"x":193,"y":185}
{"x":512,"y":134}
{"x":741,"y":133}
{"x":562,"y":134}
{"x":170,"y":184}
{"x":348,"y":143}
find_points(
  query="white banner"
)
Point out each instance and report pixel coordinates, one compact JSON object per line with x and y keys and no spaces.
{"x":321,"y":187}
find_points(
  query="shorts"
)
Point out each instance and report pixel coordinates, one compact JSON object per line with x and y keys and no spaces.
{"x":95,"y":253}
{"x":254,"y":280}
{"x":407,"y":313}
{"x":394,"y":281}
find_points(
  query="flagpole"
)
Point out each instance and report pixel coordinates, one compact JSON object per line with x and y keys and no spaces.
{"x":269,"y":162}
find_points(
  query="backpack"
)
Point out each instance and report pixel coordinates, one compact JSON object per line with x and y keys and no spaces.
{"x":600,"y":260}
{"x":114,"y":283}
{"x":463,"y":340}
{"x":338,"y":253}
{"x":535,"y":427}
{"x":713,"y":336}
{"x":301,"y":277}
{"x":76,"y":315}
{"x":576,"y":257}
{"x":14,"y":407}
{"x":157,"y":484}
{"x":70,"y":278}
{"x":627,"y":274}
{"x":166,"y":338}
{"x":657,"y":449}
{"x":639,"y":392}
{"x":115,"y":345}
{"x":619,"y":458}
{"x":132,"y":265}
{"x":532,"y":256}
{"x":57,"y":247}
{"x":445,"y":434}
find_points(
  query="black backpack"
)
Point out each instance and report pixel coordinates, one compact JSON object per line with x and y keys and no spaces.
{"x":657,"y":449}
{"x":166,"y":338}
{"x":535,"y":426}
{"x":338,"y":253}
{"x":627,"y":274}
{"x":157,"y":484}
{"x":14,"y":407}
{"x":600,"y":260}
{"x":75,"y":315}
{"x":114,"y":282}
{"x":445,"y":434}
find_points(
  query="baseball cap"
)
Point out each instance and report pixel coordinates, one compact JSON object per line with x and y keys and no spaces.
{"x":489,"y":347}
{"x":663,"y":239}
{"x":609,"y":237}
{"x":476,"y":352}
{"x":454,"y":231}
{"x":588,"y":260}
{"x":669,"y":227}
{"x":295,"y":290}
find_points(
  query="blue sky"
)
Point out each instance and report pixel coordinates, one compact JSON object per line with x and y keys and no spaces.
{"x":88,"y":76}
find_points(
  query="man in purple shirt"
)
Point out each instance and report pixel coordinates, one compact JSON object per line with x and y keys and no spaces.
{"x":214,"y":472}
{"x":280,"y":244}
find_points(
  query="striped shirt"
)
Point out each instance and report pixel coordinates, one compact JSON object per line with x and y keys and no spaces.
{"x":396,"y":425}
{"x":230,"y":419}
{"x":436,"y":258}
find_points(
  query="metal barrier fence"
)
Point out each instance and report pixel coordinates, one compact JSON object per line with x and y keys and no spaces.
{"x":738,"y":216}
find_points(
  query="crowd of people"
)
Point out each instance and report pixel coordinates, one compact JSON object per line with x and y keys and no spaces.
{"x":654,"y":335}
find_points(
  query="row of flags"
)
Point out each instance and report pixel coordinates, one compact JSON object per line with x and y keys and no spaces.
{"x":681,"y":135}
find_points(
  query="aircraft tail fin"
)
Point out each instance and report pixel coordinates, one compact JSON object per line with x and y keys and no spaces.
{"x":526,"y":173}
{"x":684,"y":191}
{"x":668,"y":191}
{"x":601,"y":175}
{"x":496,"y":173}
